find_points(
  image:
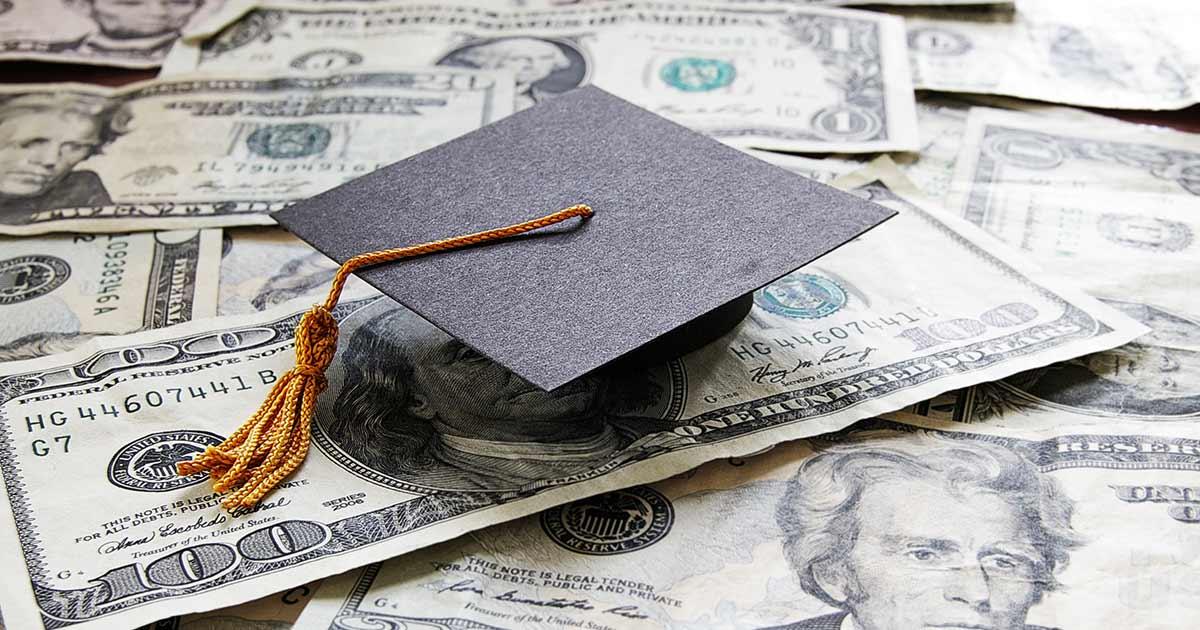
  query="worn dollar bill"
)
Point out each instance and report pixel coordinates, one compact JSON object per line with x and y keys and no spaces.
{"x":572,"y":3}
{"x":896,"y":2}
{"x":275,"y":612}
{"x":57,"y":292}
{"x":130,"y":33}
{"x":1099,"y":53}
{"x":402,"y":459}
{"x":205,"y":151}
{"x":793,"y":79}
{"x":262,"y":267}
{"x":1114,"y":208}
{"x":941,"y":123}
{"x":824,"y":170}
{"x":886,"y":525}
{"x":541,"y":4}
{"x":538,"y":4}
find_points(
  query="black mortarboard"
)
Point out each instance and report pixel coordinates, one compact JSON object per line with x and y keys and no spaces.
{"x":683,"y":225}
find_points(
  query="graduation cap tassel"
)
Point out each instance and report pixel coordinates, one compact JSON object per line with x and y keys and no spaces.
{"x":274,"y":441}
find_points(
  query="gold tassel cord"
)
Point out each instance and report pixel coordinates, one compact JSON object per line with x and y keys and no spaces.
{"x":274,"y":441}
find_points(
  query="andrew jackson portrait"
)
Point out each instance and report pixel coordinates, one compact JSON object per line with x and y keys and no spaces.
{"x":908,"y":531}
{"x":43,"y":136}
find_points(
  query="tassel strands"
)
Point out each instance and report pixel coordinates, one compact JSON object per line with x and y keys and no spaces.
{"x":274,"y":441}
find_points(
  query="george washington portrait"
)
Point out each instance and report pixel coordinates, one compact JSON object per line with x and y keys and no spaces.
{"x":133,"y":27}
{"x":543,"y":67}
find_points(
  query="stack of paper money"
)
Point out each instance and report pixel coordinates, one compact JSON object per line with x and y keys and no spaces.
{"x":983,"y":414}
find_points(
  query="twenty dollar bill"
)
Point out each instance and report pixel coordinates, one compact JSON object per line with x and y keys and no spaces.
{"x":58,"y":291}
{"x":213,"y":151}
{"x":887,"y":525}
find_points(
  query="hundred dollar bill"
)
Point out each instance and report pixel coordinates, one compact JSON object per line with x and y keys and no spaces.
{"x":418,"y":439}
{"x":207,"y":151}
{"x":886,"y":525}
{"x":793,"y":79}
{"x":56,"y":292}
{"x":130,"y":33}
{"x":1113,"y":207}
{"x":1099,"y":53}
{"x":276,"y":612}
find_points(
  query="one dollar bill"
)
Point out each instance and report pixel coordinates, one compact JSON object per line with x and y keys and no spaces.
{"x":208,"y":151}
{"x":941,"y":121}
{"x":831,"y":344}
{"x":793,"y":79}
{"x":123,"y":33}
{"x":886,"y":525}
{"x":1112,"y":207}
{"x":1097,"y":53}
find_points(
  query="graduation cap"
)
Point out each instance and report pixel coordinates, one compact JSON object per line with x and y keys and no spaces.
{"x":675,"y":232}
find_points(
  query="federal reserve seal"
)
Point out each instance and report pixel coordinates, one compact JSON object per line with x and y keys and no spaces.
{"x":148,"y":464}
{"x":847,"y":122}
{"x":609,"y":524}
{"x":26,"y":277}
{"x":1142,"y":232}
{"x":327,"y":59}
{"x":1024,"y":149}
{"x":287,"y":141}
{"x":939,"y":42}
{"x":802,"y":295}
{"x":693,"y":74}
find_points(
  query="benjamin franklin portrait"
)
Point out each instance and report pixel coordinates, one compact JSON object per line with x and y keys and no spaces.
{"x":543,"y":67}
{"x":908,"y":531}
{"x":43,"y":136}
{"x":420,"y":407}
{"x":1155,"y":376}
